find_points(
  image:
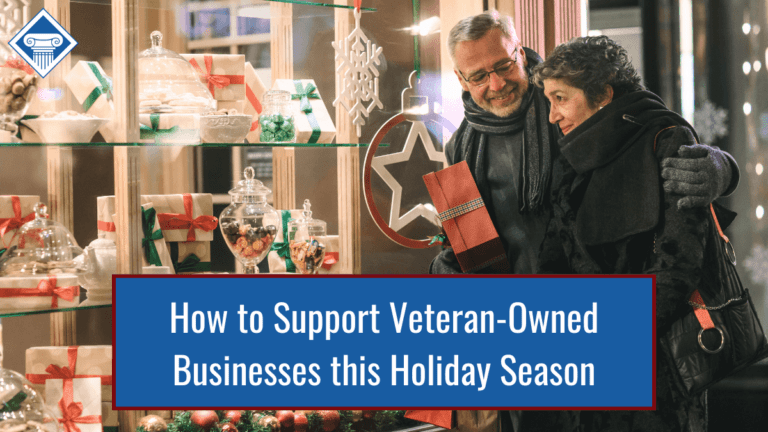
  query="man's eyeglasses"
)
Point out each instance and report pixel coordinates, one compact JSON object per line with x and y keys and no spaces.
{"x":481,"y":78}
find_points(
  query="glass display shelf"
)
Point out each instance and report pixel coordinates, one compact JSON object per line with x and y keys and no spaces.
{"x":301,"y":2}
{"x":47,"y":311}
{"x":81,"y":145}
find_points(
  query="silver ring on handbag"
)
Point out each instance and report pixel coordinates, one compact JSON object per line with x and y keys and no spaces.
{"x":707,"y":350}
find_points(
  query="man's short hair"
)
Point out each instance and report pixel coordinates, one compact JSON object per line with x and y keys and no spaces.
{"x":477,"y":26}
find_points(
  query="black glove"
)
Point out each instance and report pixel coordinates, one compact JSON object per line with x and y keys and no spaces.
{"x":701,"y":173}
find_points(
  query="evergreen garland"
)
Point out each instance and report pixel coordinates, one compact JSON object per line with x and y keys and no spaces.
{"x":382,"y":421}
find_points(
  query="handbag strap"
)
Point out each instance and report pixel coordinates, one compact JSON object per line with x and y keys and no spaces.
{"x":700,"y":309}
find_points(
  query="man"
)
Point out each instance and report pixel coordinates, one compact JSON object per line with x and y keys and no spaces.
{"x":509,"y":145}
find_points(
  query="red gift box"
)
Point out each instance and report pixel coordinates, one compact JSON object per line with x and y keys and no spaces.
{"x":466,"y":220}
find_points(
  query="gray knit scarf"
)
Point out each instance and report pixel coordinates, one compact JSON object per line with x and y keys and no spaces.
{"x":538,"y":135}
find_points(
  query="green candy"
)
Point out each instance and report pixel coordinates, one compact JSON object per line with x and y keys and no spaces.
{"x":267,"y":136}
{"x":272,"y":127}
{"x":277,"y":118}
{"x":287,"y":127}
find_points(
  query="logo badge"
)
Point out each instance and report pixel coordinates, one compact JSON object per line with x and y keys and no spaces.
{"x":43,"y":43}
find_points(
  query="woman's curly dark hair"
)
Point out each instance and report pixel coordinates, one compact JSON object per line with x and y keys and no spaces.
{"x":589,"y":63}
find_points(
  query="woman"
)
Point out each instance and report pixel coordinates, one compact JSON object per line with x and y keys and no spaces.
{"x":610,"y":214}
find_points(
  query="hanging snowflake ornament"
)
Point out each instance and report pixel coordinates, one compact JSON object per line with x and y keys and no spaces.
{"x":757,"y":264}
{"x":356,"y":75}
{"x":711,"y":122}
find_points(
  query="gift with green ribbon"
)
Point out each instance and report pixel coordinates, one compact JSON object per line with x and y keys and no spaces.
{"x":151,"y":235}
{"x":21,"y":125}
{"x":304,"y":94}
{"x":187,"y":257}
{"x":279,"y":257}
{"x":312,"y":122}
{"x":94,"y":90}
{"x":103,"y":88}
{"x":169,"y":128}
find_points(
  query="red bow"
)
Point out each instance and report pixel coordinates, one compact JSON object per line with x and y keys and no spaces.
{"x":330,"y":259}
{"x":71,"y":414}
{"x":45,"y":288}
{"x":174,"y":221}
{"x":18,"y":63}
{"x":212,"y":80}
{"x":9,"y":224}
{"x":359,"y":3}
{"x":66,"y":372}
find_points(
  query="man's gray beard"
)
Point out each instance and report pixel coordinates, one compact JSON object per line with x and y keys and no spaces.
{"x":510,"y":110}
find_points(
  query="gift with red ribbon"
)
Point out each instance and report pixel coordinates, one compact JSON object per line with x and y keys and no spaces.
{"x":330,"y":262}
{"x":442,"y":418}
{"x":76,"y":403}
{"x":223,"y":74}
{"x":38,"y":292}
{"x":184,"y":218}
{"x":466,"y":220}
{"x":254,"y":91}
{"x":67,"y":363}
{"x":15,"y":211}
{"x":105,"y":208}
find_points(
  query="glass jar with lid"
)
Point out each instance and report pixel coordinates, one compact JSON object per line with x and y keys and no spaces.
{"x":247,"y":223}
{"x":44,"y":247}
{"x":276,"y":120}
{"x":304,"y":234}
{"x":23,"y":407}
{"x":18,"y":85}
{"x":169,"y":84}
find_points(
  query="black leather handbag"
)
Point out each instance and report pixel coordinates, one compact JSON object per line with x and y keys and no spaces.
{"x":721,"y":336}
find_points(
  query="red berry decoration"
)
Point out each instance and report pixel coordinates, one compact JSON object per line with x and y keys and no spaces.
{"x":300,"y":423}
{"x":286,"y":418}
{"x":270,"y":422}
{"x":331,"y":420}
{"x":205,"y":419}
{"x":228,"y":427}
{"x":368,"y":414}
{"x":233,"y":416}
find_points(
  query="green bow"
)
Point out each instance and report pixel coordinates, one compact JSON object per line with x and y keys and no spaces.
{"x":305,"y":94}
{"x":2,"y":251}
{"x":104,"y":87}
{"x":18,"y":123}
{"x":191,"y":264}
{"x":283,"y":248}
{"x":150,"y":235}
{"x":14,"y":404}
{"x":147,"y":132}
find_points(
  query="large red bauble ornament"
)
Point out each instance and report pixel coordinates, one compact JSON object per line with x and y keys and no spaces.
{"x":205,"y":419}
{"x":233,"y":416}
{"x":300,"y":423}
{"x":285,"y":418}
{"x":228,"y":427}
{"x":331,"y":420}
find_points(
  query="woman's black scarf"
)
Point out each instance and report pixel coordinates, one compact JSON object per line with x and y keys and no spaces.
{"x":538,"y":135}
{"x":613,"y":152}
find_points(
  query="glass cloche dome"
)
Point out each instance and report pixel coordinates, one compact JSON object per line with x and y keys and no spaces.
{"x":44,"y":247}
{"x":168,"y":83}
